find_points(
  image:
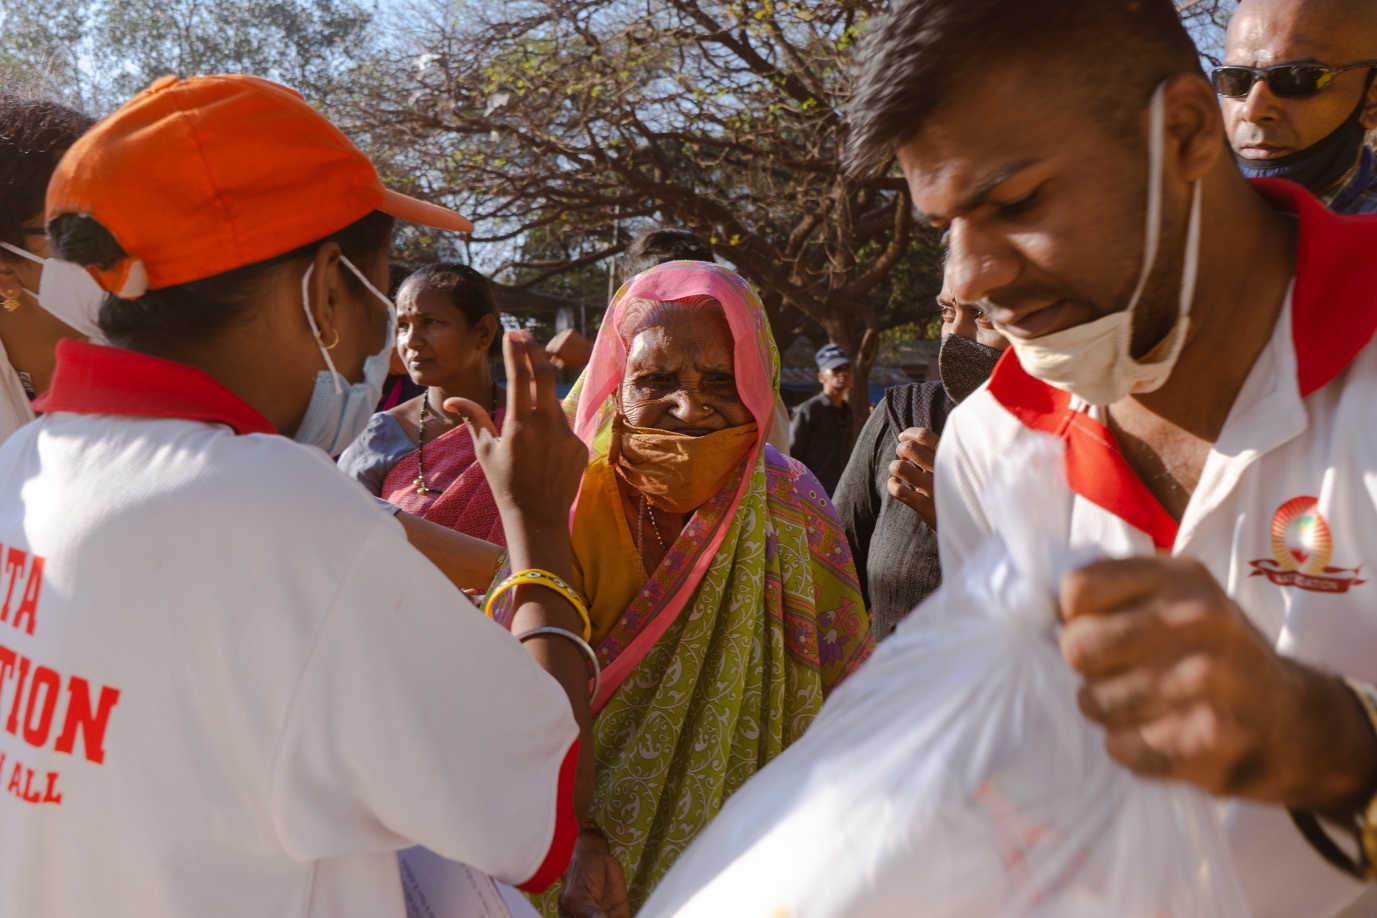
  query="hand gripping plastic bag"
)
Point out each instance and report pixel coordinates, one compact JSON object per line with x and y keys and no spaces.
{"x":954,"y":777}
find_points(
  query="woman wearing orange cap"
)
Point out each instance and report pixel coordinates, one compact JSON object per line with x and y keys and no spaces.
{"x":234,"y":688}
{"x":34,"y":133}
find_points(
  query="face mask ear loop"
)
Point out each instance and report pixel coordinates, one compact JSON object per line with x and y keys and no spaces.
{"x":315,"y":329}
{"x":1191,"y":268}
{"x":391,"y":306}
{"x":24,"y":253}
{"x":1156,"y":155}
{"x":371,"y":289}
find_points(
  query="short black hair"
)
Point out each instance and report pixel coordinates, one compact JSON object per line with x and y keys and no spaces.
{"x":656,"y":245}
{"x":34,"y":133}
{"x":1110,"y":52}
{"x":468,"y":291}
{"x":162,"y":320}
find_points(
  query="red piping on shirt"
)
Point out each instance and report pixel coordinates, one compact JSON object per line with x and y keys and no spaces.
{"x":566,"y":828}
{"x":1334,"y":316}
{"x":1095,"y":468}
{"x":1334,"y":305}
{"x":92,"y":379}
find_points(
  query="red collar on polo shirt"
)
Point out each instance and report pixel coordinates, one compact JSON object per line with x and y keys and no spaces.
{"x":1333,"y":317}
{"x":93,"y":379}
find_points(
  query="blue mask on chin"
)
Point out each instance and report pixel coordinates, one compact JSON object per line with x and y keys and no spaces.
{"x":1320,"y":166}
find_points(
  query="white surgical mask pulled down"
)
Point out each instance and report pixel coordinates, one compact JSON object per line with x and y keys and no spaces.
{"x":1094,"y":361}
{"x":339,"y":410}
{"x":68,"y":292}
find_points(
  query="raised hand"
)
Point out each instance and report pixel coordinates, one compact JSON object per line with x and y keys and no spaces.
{"x":535,"y":464}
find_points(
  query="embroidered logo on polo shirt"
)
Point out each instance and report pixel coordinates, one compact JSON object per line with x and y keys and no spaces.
{"x":1301,"y":550}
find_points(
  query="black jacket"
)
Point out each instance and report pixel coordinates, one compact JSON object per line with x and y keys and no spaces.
{"x":820,"y":437}
{"x":895,"y":551}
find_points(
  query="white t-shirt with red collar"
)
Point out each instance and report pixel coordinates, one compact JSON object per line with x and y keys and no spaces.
{"x":228,"y":685}
{"x":1284,"y":516}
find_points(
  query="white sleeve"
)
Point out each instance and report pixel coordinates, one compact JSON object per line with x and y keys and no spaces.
{"x":418,"y":721}
{"x":958,"y":481}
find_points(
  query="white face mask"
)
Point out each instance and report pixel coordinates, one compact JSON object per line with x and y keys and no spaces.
{"x":68,"y":292}
{"x":1094,"y":361}
{"x":339,"y":410}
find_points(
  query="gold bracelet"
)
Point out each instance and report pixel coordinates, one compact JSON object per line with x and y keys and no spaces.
{"x":537,"y":577}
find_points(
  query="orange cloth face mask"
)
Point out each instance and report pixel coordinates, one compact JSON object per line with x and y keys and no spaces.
{"x":674,"y":471}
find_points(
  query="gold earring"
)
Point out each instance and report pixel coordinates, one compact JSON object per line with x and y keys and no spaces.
{"x":333,"y":344}
{"x":11,"y":302}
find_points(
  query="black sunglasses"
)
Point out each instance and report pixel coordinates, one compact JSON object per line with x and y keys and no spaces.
{"x":1288,"y":81}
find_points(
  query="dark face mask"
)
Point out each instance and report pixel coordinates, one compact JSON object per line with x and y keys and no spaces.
{"x":1320,"y":166}
{"x":965,"y":364}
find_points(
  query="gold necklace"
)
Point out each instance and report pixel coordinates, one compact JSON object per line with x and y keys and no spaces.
{"x":640,"y":529}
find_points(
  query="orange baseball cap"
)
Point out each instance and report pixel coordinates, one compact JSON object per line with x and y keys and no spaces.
{"x":197,"y":177}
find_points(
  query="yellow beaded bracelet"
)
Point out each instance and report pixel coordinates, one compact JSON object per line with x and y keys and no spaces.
{"x":536,"y":577}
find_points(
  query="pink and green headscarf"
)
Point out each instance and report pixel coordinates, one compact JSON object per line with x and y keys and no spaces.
{"x":592,"y":404}
{"x":727,"y":652}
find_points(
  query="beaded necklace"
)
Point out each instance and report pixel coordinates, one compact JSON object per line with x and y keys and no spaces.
{"x":420,"y":482}
{"x":640,"y":533}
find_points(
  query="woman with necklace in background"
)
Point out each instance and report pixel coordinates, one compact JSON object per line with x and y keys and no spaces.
{"x":417,"y":456}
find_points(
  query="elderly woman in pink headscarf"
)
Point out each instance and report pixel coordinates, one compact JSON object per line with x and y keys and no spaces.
{"x":722,"y":593}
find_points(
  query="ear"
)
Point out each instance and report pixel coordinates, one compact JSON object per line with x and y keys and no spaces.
{"x":17,"y":274}
{"x":8,"y":277}
{"x":488,"y":329}
{"x":326,"y":293}
{"x":1195,"y":126}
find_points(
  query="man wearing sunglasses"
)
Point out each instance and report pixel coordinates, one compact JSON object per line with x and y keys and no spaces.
{"x":1298,"y":96}
{"x":1203,"y":346}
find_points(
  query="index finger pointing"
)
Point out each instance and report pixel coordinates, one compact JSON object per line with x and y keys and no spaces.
{"x":518,"y":376}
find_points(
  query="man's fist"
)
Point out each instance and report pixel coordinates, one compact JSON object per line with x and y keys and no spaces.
{"x":1188,"y":689}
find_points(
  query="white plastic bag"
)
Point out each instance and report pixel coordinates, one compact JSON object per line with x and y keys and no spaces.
{"x":954,"y":777}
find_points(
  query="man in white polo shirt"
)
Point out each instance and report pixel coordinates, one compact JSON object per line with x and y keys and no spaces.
{"x":228,"y":685}
{"x":1207,"y":358}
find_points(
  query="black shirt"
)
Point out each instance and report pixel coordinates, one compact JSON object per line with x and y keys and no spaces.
{"x":895,"y":551}
{"x":820,"y":438}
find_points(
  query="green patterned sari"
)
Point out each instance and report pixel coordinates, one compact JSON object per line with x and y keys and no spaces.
{"x":727,"y":652}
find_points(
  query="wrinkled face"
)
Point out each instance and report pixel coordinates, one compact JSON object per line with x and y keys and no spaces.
{"x":680,"y":374}
{"x":1042,"y":206}
{"x":434,"y":337}
{"x":1262,"y":125}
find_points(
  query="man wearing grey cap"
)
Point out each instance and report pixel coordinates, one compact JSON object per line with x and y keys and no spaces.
{"x":820,"y":434}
